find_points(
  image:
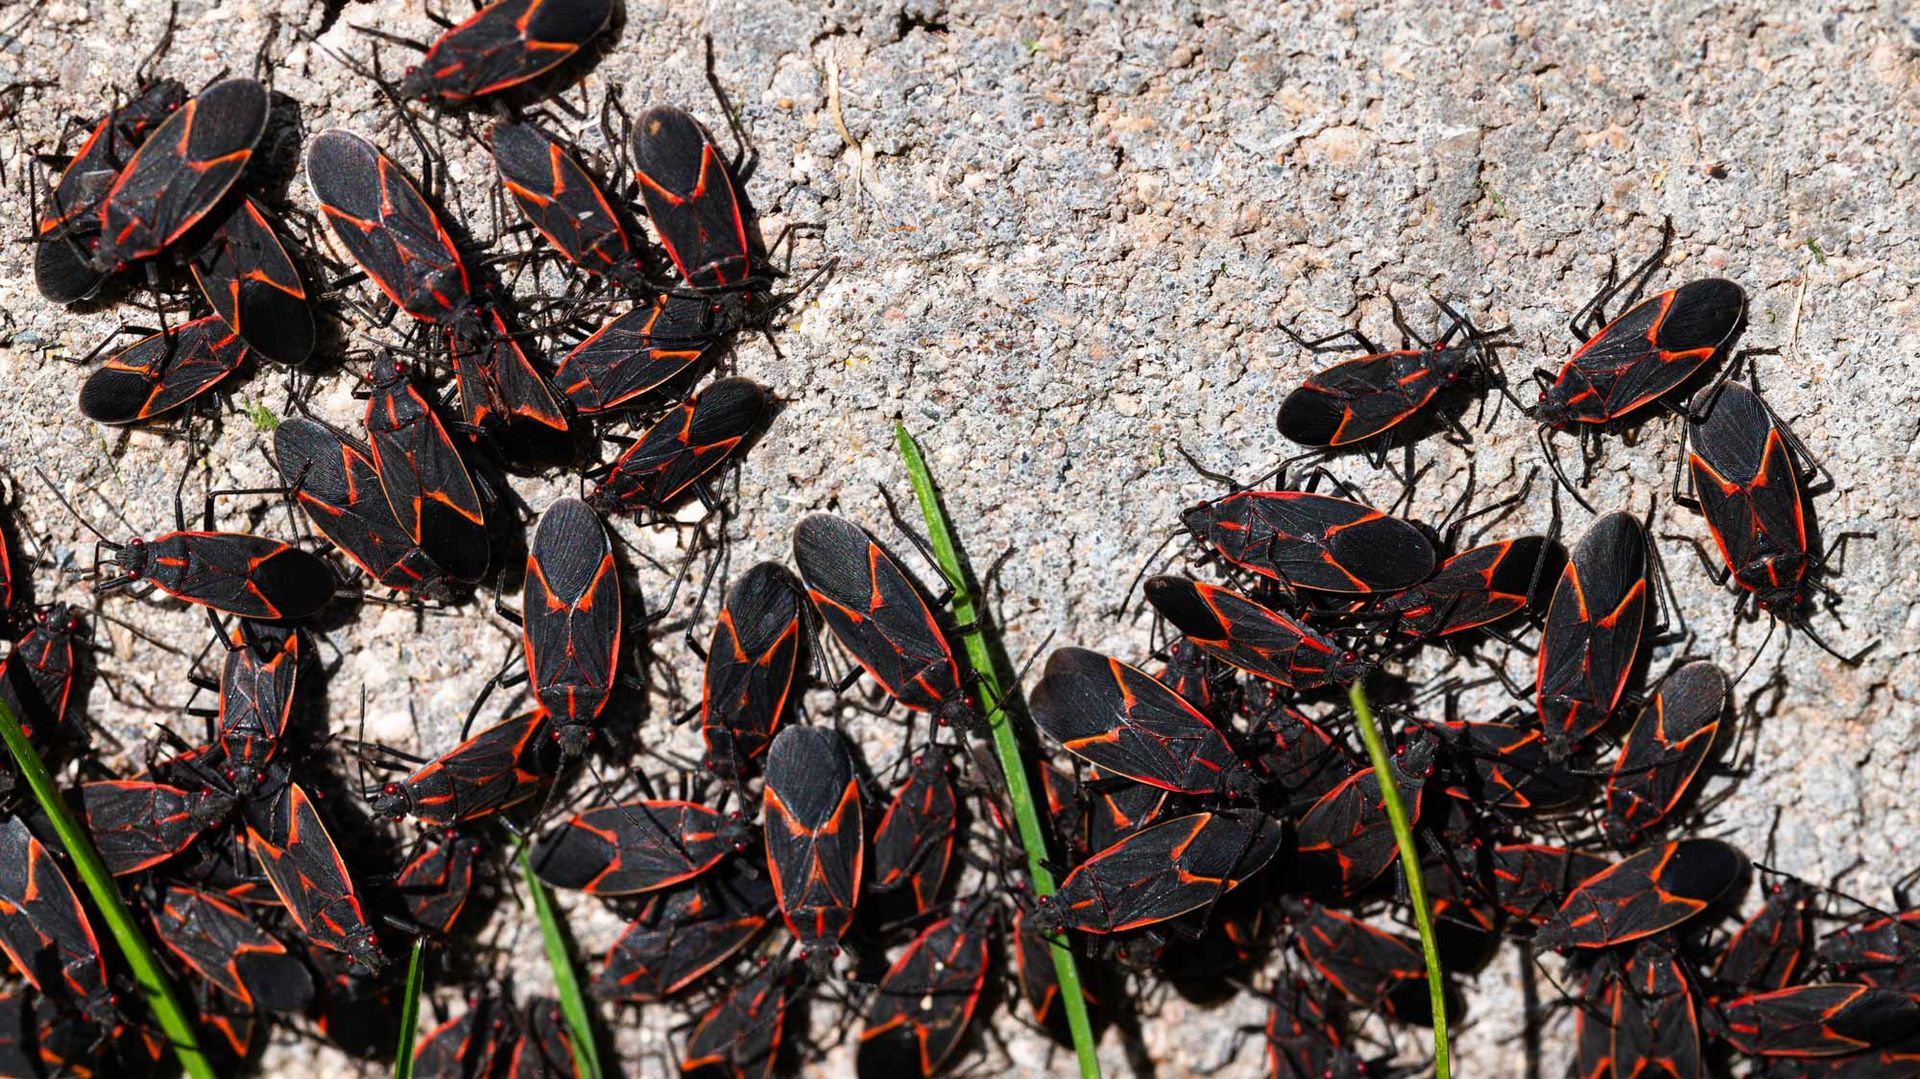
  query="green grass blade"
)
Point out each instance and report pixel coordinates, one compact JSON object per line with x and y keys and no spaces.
{"x":1006,"y":741}
{"x":1410,"y":865}
{"x":566,"y":979}
{"x":153,"y":980}
{"x":410,"y":1010}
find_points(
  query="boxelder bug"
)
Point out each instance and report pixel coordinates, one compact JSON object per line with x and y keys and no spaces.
{"x":468,"y":1045}
{"x":427,"y":485}
{"x":1768,"y":949}
{"x":1748,"y":477}
{"x":1118,"y":718}
{"x":927,"y":997}
{"x":1356,"y":400}
{"x":740,"y":1035}
{"x":1883,"y":950}
{"x":137,"y":825}
{"x":256,"y":701}
{"x":878,"y":614}
{"x":1473,"y":589}
{"x":248,"y":278}
{"x":1592,"y":636}
{"x":684,"y":933}
{"x":1312,"y":541}
{"x":306,"y":871}
{"x":1664,"y":750}
{"x":160,"y":373}
{"x":1117,"y":807}
{"x":1304,"y":1037}
{"x":682,"y":447}
{"x":503,"y":45}
{"x":333,"y":478}
{"x":499,"y":768}
{"x":1497,"y":765}
{"x":1819,"y":1020}
{"x":1161,"y":872}
{"x":387,"y":226}
{"x":183,"y":169}
{"x":1303,"y":760}
{"x":436,"y":883}
{"x":500,"y":387}
{"x":226,"y":949}
{"x":1656,"y":1026}
{"x":752,"y":669}
{"x":1370,"y":966}
{"x":1655,"y":889}
{"x":564,"y":203}
{"x":1532,"y":880}
{"x":570,"y":622}
{"x":636,"y":847}
{"x":1248,"y":635}
{"x":690,"y":197}
{"x":543,"y":1047}
{"x":913,"y":844}
{"x":637,"y":353}
{"x":816,"y":843}
{"x":1345,"y":837}
{"x":231,"y":572}
{"x":43,"y":929}
{"x":37,"y":675}
{"x":70,"y":225}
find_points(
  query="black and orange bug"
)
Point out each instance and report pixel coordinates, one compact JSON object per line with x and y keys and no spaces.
{"x":641,"y":351}
{"x":739,"y":1037}
{"x":1304,"y":1036}
{"x":682,"y":447}
{"x":913,"y":843}
{"x":1663,"y":751}
{"x":1593,"y":1021}
{"x":1252,"y":637}
{"x":1301,"y":758}
{"x":502,"y":766}
{"x":816,"y":841}
{"x":44,"y":930}
{"x":1039,"y":981}
{"x":1345,"y":838}
{"x":37,"y":675}
{"x":182,"y":171}
{"x":1367,"y":396}
{"x":1120,"y":719}
{"x":1161,"y":872}
{"x":752,"y":669}
{"x":247,"y":276}
{"x":1769,"y":948}
{"x":503,"y":45}
{"x":391,"y":231}
{"x":1819,"y":1020}
{"x":256,"y":702}
{"x":684,"y":933}
{"x":69,"y":224}
{"x":541,"y":1048}
{"x":303,"y":865}
{"x":1531,"y":880}
{"x":427,"y":485}
{"x":436,"y":883}
{"x":500,"y":389}
{"x":691,"y":200}
{"x":1593,"y":631}
{"x":1200,"y":680}
{"x":1881,"y":950}
{"x":1655,"y":889}
{"x":1312,"y":541}
{"x":1655,"y":1019}
{"x":570,"y":622}
{"x":162,"y":372}
{"x":1749,"y":478}
{"x":228,"y":950}
{"x":1116,"y":807}
{"x":467,"y":1045}
{"x":333,"y":479}
{"x":265,"y":580}
{"x":137,"y":825}
{"x":922,"y":1006}
{"x":1372,"y":967}
{"x":1499,"y":765}
{"x":638,"y":846}
{"x":565,"y":203}
{"x":878,"y":614}
{"x":1471,"y":590}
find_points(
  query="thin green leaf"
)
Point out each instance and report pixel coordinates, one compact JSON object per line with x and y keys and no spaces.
{"x":984,"y":656}
{"x":1410,"y":865}
{"x":566,"y":979}
{"x":410,"y":1010}
{"x":93,"y":874}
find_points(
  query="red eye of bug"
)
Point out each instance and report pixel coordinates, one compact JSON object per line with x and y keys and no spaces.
{"x":390,"y":788}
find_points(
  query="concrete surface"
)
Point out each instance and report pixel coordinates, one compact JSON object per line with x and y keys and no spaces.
{"x":1066,"y":238}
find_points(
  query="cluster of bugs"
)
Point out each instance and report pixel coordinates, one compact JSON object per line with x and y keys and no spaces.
{"x":797,"y":889}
